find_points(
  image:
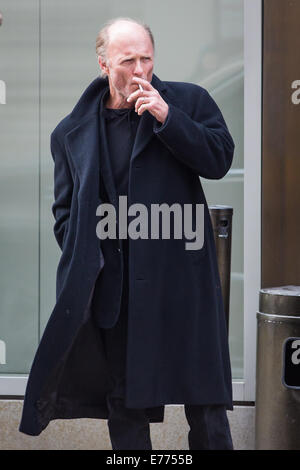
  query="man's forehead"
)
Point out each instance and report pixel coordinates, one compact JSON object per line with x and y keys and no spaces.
{"x":125,"y":36}
{"x":129,"y":48}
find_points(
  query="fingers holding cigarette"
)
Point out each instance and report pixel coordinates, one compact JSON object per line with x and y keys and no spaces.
{"x":138,"y":93}
{"x":147,"y":98}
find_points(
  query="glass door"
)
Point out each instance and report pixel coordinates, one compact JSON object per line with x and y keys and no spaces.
{"x":47,"y":52}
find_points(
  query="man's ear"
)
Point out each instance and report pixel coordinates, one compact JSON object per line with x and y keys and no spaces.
{"x":103,"y":65}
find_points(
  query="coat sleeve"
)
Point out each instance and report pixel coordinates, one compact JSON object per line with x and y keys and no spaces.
{"x":63,"y":189}
{"x":200,"y":140}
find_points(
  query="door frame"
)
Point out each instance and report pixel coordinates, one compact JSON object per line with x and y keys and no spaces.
{"x":244,"y":390}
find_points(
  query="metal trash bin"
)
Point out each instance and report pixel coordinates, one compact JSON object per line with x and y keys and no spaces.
{"x":221,"y":218}
{"x":277,"y":414}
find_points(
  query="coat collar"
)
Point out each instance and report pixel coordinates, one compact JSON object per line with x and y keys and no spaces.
{"x":83,"y":140}
{"x":89,"y":101}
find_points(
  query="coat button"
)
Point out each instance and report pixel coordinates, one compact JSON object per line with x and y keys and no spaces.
{"x":119,"y":250}
{"x":67,"y":311}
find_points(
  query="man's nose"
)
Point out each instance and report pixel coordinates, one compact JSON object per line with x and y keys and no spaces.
{"x":138,"y":69}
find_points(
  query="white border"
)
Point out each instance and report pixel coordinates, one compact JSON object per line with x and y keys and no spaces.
{"x":252,"y":185}
{"x":243,"y":390}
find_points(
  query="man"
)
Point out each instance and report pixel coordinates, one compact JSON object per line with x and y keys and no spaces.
{"x":138,"y":322}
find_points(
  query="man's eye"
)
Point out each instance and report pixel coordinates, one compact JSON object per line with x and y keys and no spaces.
{"x":128,"y":60}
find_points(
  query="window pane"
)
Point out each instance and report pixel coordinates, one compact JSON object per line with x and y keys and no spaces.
{"x":19,"y":189}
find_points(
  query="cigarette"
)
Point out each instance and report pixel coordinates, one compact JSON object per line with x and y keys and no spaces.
{"x":141,"y":88}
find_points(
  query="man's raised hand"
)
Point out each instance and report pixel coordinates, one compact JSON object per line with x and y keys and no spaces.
{"x":149,"y":100}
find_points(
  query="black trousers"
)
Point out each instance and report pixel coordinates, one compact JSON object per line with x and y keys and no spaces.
{"x":129,"y":428}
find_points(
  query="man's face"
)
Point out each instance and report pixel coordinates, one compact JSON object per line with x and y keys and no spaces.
{"x":130,"y":54}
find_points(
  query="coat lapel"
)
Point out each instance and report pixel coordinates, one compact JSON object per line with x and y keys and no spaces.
{"x":143,"y":134}
{"x":105,"y":165}
{"x":82,"y":142}
{"x":145,"y":129}
{"x":87,"y":147}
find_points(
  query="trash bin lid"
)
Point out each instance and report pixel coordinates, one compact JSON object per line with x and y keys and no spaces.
{"x":283,"y":300}
{"x":221,"y":207}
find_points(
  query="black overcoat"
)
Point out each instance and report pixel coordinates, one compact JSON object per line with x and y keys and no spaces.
{"x":177,"y":351}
